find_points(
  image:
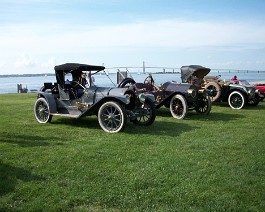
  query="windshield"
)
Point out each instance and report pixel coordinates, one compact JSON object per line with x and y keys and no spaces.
{"x":102,"y":79}
{"x":243,"y":82}
{"x":240,"y":82}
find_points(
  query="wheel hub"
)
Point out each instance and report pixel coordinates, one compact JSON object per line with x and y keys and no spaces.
{"x":110,"y":116}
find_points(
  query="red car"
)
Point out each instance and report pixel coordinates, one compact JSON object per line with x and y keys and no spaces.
{"x":260,"y":87}
{"x":262,"y":90}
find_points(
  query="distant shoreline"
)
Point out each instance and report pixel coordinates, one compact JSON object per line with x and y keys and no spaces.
{"x":26,"y":75}
{"x":146,"y":72}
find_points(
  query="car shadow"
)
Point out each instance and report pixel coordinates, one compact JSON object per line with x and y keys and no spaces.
{"x":10,"y":175}
{"x":260,"y":106}
{"x":159,"y":127}
{"x":221,"y":104}
{"x":24,"y":140}
{"x":172,"y":128}
{"x":215,"y":116}
{"x":84,"y":122}
{"x":212,"y":116}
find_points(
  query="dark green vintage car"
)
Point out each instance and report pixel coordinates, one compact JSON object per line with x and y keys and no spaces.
{"x":75,"y":96}
{"x":179,"y":97}
{"x":237,"y":95}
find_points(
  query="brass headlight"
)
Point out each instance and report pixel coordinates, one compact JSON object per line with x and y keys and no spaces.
{"x":127,"y":98}
{"x":142,"y":98}
{"x":203,"y":92}
{"x":192,"y":93}
{"x":251,"y":92}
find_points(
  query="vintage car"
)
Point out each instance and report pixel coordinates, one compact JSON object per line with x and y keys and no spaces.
{"x":74,"y":96}
{"x":179,"y":97}
{"x":236,"y":95}
{"x":260,"y":87}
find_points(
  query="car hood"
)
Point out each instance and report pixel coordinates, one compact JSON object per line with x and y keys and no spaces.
{"x":245,"y":87}
{"x":174,"y":86}
{"x":193,"y":70}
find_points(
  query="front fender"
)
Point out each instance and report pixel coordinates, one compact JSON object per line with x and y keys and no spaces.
{"x":50,"y":99}
{"x":151,"y":97}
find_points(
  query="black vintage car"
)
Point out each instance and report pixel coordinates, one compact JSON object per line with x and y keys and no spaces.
{"x":179,"y":97}
{"x":75,"y":95}
{"x":237,"y":95}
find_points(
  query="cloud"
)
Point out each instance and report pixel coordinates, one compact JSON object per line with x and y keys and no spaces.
{"x":49,"y":64}
{"x":143,"y":37}
{"x":154,"y":34}
{"x":25,"y":60}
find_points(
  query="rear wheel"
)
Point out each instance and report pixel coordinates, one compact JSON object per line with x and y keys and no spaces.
{"x":42,"y":111}
{"x":178,"y":106}
{"x":111,"y":117}
{"x":236,"y":100}
{"x":204,"y":106}
{"x":145,"y":114}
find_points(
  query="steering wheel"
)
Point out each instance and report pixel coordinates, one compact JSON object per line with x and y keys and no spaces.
{"x":76,"y":83}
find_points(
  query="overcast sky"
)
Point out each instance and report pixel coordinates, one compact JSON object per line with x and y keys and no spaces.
{"x":36,"y":35}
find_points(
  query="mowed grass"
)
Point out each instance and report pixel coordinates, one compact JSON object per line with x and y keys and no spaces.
{"x":202,"y":163}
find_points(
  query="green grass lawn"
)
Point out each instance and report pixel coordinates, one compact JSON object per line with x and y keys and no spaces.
{"x":202,"y":163}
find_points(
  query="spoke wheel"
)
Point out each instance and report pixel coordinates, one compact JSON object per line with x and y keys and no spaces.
{"x":215,"y":90}
{"x":145,"y":114}
{"x":204,"y":106}
{"x":111,"y":117}
{"x":42,"y":111}
{"x":178,"y":106}
{"x":236,"y":100}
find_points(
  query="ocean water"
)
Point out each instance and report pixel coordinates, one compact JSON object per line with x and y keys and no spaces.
{"x":9,"y":84}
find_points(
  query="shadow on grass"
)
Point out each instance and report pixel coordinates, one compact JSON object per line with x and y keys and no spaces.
{"x":10,"y":175}
{"x":25,"y":140}
{"x":172,"y":127}
{"x":260,"y":106}
{"x":159,"y":128}
{"x":90,"y":122}
{"x":212,"y":116}
{"x":215,"y":116}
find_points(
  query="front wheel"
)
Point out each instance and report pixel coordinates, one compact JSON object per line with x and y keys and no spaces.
{"x":236,"y":100}
{"x":145,"y":115}
{"x":111,"y":117}
{"x":178,"y":106}
{"x":204,"y":105}
{"x":42,"y":111}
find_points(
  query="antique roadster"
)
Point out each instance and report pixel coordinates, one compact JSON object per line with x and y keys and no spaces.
{"x":75,"y":96}
{"x":179,"y":97}
{"x":237,"y":95}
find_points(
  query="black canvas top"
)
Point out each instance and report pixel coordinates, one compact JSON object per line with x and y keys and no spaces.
{"x":193,"y":70}
{"x":75,"y":69}
{"x":77,"y":66}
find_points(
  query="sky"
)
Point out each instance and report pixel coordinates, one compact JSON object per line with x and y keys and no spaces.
{"x":36,"y":35}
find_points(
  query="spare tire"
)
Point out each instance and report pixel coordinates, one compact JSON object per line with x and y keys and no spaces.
{"x":215,"y":90}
